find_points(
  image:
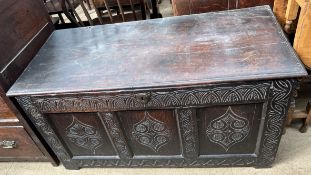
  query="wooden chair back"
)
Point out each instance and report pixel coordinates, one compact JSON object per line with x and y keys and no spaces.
{"x":121,"y":10}
{"x":302,"y":43}
{"x":68,"y":7}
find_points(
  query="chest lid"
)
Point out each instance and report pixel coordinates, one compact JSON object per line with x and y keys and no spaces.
{"x":238,"y":45}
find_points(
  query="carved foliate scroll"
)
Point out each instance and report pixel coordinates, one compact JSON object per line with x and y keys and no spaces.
{"x":177,"y":98}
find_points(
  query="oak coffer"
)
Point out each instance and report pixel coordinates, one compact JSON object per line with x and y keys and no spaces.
{"x":199,"y":91}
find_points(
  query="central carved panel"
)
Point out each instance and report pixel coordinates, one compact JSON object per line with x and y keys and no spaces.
{"x":151,"y":132}
{"x":83,"y":135}
{"x":228,"y":129}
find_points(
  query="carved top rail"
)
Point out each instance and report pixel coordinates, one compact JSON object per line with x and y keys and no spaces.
{"x":257,"y":92}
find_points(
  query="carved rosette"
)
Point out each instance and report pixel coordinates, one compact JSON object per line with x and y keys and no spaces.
{"x":151,"y":132}
{"x":83,"y":135}
{"x":228,"y":129}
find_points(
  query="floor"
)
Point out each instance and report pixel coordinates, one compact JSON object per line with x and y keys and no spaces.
{"x":165,"y":8}
{"x":293,"y":158}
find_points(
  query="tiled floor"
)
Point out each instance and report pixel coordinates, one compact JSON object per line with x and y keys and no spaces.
{"x":294,"y":158}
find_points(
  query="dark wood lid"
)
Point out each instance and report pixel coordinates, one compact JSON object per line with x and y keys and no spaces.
{"x":238,"y":45}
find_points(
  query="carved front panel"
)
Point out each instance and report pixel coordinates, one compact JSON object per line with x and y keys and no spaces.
{"x":214,"y":126}
{"x":83,"y":133}
{"x":152,"y":132}
{"x":229,"y":129}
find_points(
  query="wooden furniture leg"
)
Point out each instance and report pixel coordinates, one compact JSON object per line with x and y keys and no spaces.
{"x":61,"y":18}
{"x":292,"y":107}
{"x":304,"y":127}
{"x":155,"y":10}
{"x":291,"y":14}
{"x":290,"y":112}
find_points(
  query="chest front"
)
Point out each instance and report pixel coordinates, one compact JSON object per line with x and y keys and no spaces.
{"x":236,"y":124}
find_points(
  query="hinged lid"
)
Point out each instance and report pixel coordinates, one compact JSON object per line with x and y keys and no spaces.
{"x":238,"y":45}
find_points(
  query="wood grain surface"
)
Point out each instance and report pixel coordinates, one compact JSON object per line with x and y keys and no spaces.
{"x":25,"y":147}
{"x":5,"y":112}
{"x":245,"y":44}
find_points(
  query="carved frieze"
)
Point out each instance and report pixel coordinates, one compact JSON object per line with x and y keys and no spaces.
{"x":173,"y":163}
{"x":177,"y":98}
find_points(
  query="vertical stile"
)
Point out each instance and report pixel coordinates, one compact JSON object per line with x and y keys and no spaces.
{"x":188,"y":131}
{"x":115,"y":134}
{"x":133,"y":9}
{"x":109,"y":11}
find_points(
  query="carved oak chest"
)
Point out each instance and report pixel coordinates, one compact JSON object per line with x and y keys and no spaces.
{"x":192,"y":91}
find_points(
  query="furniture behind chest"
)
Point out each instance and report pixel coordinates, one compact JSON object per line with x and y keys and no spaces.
{"x":202,"y":91}
{"x":301,"y":106}
{"x":302,"y":43}
{"x":187,"y":7}
{"x":25,"y":26}
{"x":302,"y":46}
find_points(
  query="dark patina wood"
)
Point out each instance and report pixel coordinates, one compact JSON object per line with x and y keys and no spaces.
{"x":188,"y":50}
{"x":187,"y":7}
{"x":201,"y":91}
{"x":25,"y":26}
